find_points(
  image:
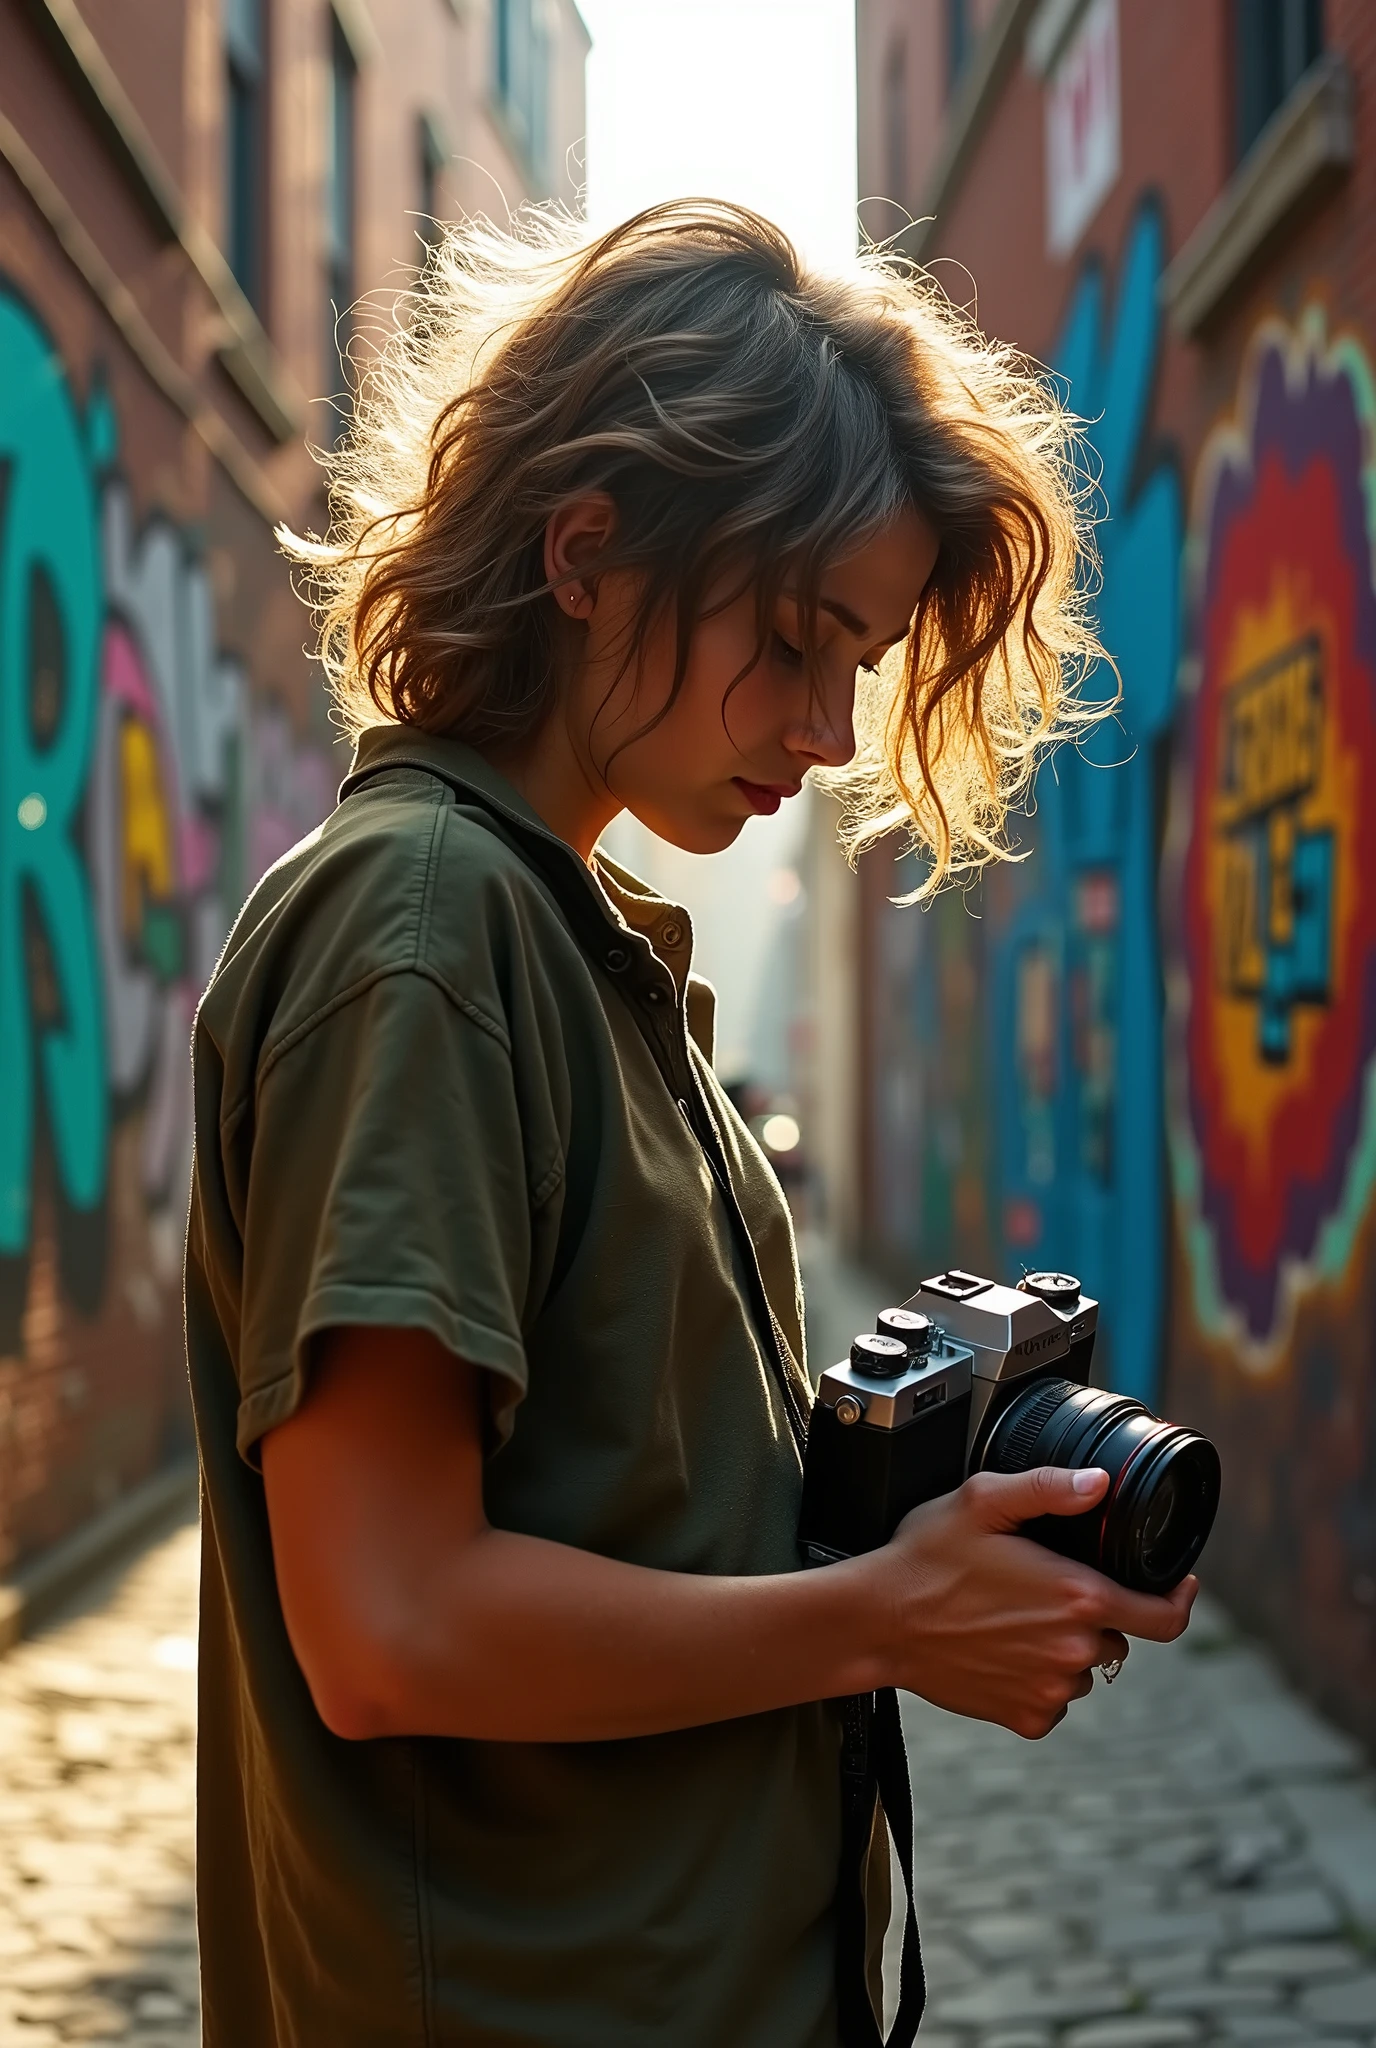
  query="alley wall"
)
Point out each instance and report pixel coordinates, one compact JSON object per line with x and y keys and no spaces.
{"x":1147,"y":1052}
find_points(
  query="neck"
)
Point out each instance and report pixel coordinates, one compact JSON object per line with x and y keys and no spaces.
{"x":560,"y":787}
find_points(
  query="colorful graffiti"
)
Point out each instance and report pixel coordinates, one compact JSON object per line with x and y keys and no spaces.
{"x":931,"y":1087}
{"x":1019,"y":1057}
{"x":50,"y":1000}
{"x":1076,"y":967}
{"x":1274,"y":1113}
{"x":143,"y":788}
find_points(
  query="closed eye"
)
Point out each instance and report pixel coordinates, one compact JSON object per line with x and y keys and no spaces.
{"x":791,"y":656}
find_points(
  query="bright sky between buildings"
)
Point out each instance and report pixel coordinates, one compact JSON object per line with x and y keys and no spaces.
{"x":736,"y":99}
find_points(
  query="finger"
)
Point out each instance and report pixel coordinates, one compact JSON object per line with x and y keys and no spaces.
{"x":1038,"y":1726}
{"x":1083,"y":1685}
{"x":1156,"y":1617}
{"x":1005,"y":1500}
{"x":1113,"y":1647}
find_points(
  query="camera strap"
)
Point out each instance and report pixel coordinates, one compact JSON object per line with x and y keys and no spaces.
{"x":874,"y":1774}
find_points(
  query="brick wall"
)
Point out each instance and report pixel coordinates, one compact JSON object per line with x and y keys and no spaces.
{"x":163,"y":738}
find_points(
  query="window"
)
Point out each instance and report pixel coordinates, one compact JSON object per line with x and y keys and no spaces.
{"x":339,"y":216}
{"x":1277,"y":41}
{"x":521,"y":62}
{"x":960,"y":40}
{"x":896,"y":124}
{"x":432,"y":155}
{"x":244,"y":137}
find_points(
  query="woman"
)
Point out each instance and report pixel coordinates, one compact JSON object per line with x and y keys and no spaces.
{"x":519,"y":1719}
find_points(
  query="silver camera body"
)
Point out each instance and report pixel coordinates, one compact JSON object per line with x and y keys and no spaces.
{"x":1045,"y":1325}
{"x":905,"y":1418}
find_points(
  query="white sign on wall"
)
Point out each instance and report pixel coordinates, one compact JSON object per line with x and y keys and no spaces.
{"x":1083,"y":126}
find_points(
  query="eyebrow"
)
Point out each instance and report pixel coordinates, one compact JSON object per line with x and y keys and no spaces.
{"x":853,"y":623}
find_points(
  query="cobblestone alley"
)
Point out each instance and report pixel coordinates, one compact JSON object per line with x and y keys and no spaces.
{"x":1189,"y":1859}
{"x":97,"y":1750}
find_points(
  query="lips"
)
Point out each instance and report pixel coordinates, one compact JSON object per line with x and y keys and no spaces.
{"x":766,"y":797}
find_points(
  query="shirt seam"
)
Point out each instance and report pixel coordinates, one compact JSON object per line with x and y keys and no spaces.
{"x":422,"y":891}
{"x":275,"y":1052}
{"x":539,"y":1191}
{"x":427,"y":893}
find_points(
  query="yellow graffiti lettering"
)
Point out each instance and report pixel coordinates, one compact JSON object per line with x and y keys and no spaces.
{"x":148,"y":860}
{"x":1240,"y":962}
{"x":1272,"y":734}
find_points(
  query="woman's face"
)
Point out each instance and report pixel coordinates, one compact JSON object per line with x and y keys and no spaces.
{"x":721,"y":755}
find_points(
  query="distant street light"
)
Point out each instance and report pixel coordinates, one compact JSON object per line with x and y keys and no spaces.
{"x":780,"y":1133}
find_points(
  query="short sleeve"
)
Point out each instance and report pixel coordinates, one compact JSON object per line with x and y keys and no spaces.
{"x":389,"y":1185}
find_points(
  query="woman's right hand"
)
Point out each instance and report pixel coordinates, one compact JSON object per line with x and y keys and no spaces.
{"x":989,"y":1624}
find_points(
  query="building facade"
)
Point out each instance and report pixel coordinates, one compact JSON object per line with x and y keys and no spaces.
{"x":193,"y":202}
{"x":1148,"y":1051}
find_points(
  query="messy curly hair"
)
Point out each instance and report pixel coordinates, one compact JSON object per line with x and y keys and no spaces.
{"x":754,"y":420}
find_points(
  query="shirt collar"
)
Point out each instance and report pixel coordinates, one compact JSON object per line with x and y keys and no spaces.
{"x":455,"y":760}
{"x":621,"y":894}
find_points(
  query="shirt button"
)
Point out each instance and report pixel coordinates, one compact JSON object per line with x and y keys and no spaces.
{"x":617,"y":958}
{"x":654,"y":993}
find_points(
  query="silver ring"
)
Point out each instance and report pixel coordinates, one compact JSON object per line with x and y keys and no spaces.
{"x":1111,"y":1669}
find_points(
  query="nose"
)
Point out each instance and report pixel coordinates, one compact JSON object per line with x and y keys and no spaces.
{"x":826,"y":737}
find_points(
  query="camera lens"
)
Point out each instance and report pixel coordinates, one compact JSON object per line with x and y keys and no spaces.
{"x":1163,"y":1481}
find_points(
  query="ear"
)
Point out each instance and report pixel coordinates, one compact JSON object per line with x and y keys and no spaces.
{"x":577,"y":532}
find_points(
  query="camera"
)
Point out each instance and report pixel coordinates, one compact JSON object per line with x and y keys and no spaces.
{"x":969,"y":1376}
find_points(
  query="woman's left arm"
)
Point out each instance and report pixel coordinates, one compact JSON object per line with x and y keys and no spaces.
{"x":410,"y":1615}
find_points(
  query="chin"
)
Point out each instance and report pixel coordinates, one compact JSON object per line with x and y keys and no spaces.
{"x":711,"y":834}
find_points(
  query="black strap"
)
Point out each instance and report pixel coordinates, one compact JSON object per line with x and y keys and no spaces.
{"x":773,"y":1342}
{"x":874,"y":1767}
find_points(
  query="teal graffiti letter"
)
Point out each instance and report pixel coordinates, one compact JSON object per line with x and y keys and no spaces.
{"x":50,"y":605}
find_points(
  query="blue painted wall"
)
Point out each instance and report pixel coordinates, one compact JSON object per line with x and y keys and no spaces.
{"x":1017,"y":1111}
{"x":1076,"y":976}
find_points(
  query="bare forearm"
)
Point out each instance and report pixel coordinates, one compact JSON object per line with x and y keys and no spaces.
{"x":522,"y":1640}
{"x":409,"y":1615}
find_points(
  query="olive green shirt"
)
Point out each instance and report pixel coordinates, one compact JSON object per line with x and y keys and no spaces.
{"x":447,"y":1079}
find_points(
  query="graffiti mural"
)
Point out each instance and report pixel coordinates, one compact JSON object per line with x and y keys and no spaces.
{"x":1274,"y":1119}
{"x":929,"y":1115}
{"x":1017,"y":1116}
{"x":50,"y":998}
{"x":1076,"y":965}
{"x":143,"y":789}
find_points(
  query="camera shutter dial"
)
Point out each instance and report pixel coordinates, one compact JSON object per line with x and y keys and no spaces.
{"x":1058,"y":1290}
{"x":913,"y":1331}
{"x":883,"y":1358}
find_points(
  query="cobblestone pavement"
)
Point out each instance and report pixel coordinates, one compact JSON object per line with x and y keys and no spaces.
{"x":1190,"y":1857}
{"x":97,"y":1746}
